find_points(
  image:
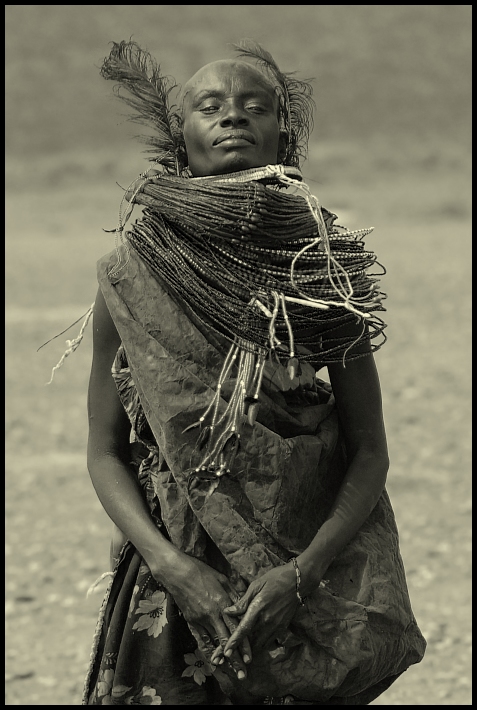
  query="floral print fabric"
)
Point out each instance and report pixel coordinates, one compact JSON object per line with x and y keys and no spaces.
{"x":144,"y":652}
{"x":355,"y":635}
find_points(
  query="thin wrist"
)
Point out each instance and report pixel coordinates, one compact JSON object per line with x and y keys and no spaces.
{"x":311,"y":573}
{"x":163,"y":560}
{"x":298,"y":586}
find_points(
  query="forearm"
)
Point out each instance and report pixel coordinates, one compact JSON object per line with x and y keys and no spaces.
{"x":120,"y":494}
{"x":360,"y":491}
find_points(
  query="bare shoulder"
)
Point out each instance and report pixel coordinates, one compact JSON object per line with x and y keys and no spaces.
{"x":105,"y":335}
{"x":357,"y":392}
{"x":109,"y":426}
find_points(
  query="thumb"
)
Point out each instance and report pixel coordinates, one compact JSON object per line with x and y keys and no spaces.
{"x":240,"y":606}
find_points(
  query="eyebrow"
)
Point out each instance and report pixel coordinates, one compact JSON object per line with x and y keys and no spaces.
{"x":215,"y":93}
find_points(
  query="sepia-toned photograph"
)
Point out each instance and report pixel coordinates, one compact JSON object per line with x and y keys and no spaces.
{"x":238,"y":354}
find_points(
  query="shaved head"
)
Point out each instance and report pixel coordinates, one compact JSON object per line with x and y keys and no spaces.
{"x":231,"y":121}
{"x":234,"y":68}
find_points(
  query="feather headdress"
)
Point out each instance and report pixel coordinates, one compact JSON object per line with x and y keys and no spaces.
{"x":143,"y":87}
{"x":296,"y":102}
{"x":148,"y":94}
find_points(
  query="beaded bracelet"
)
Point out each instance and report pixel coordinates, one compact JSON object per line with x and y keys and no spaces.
{"x":301,"y":599}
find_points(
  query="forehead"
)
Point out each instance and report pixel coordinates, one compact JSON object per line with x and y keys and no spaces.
{"x":228,"y":77}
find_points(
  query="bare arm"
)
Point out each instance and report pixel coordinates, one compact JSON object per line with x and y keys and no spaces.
{"x":270,"y":602}
{"x":358,"y":399}
{"x":120,"y":494}
{"x":108,"y":448}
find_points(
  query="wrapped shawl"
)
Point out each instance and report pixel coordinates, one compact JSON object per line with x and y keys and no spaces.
{"x":357,"y":632}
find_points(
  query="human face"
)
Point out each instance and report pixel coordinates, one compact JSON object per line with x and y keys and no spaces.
{"x":230,"y":119}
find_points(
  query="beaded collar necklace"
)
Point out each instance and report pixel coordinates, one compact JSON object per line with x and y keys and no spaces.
{"x":263,"y":266}
{"x":238,"y":249}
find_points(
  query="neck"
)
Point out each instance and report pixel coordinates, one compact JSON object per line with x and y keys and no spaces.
{"x":267,"y":171}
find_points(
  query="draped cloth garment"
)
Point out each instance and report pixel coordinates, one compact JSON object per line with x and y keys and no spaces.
{"x":356,"y":633}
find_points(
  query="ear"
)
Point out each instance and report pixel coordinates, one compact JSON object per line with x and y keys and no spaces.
{"x":181,"y":151}
{"x":282,"y":146}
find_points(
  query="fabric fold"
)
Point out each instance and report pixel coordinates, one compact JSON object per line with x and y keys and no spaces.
{"x":357,"y":631}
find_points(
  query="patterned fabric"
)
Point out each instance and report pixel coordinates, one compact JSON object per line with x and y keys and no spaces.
{"x":140,"y":621}
{"x":355,"y":635}
{"x":145,"y":653}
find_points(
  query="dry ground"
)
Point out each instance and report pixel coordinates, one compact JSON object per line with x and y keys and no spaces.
{"x":57,"y":533}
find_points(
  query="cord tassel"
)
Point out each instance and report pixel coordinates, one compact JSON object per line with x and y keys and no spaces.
{"x":259,"y":278}
{"x":223,"y":435}
{"x":72,"y":345}
{"x":252,"y":413}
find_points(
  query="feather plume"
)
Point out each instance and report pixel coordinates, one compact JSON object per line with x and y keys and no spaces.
{"x":296,"y":102}
{"x":143,"y":87}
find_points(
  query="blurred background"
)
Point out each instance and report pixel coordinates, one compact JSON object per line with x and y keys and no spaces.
{"x":390,"y":149}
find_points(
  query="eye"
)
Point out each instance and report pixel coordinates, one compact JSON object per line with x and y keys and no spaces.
{"x":256,"y":108}
{"x":209,"y":109}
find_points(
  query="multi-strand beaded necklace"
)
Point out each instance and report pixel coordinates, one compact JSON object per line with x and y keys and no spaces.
{"x":265,"y":268}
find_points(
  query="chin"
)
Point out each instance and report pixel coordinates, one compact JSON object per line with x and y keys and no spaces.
{"x":238,"y":161}
{"x":230,"y":163}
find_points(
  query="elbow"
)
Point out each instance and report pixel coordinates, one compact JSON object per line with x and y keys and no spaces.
{"x":94,"y":462}
{"x":377,"y":467}
{"x":374,"y":459}
{"x":97,"y":459}
{"x":371,"y":450}
{"x":381,"y":464}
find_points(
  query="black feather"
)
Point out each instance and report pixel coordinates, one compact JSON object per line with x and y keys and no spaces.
{"x":148,"y":94}
{"x":296,"y":100}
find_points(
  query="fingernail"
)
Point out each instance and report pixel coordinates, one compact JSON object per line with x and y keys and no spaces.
{"x":240,"y":675}
{"x":222,"y":660}
{"x":246,"y":659}
{"x":228,"y":653}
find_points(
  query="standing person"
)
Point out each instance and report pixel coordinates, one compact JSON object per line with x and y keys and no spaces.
{"x":256,"y":555}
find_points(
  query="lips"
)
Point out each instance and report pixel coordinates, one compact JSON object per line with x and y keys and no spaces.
{"x":234,"y":135}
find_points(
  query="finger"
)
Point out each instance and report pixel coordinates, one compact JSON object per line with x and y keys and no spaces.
{"x":223,"y":634}
{"x":218,"y":653}
{"x":246,"y":650}
{"x":218,"y":659}
{"x":204,"y":639}
{"x":239,"y":607}
{"x":234,"y":659}
{"x":244,"y":629}
{"x":244,"y":646}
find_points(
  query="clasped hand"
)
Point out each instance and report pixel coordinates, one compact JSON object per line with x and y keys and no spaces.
{"x":202,"y":593}
{"x":266,"y":608}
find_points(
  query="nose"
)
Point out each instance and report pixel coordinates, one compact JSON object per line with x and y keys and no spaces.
{"x":234,"y":116}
